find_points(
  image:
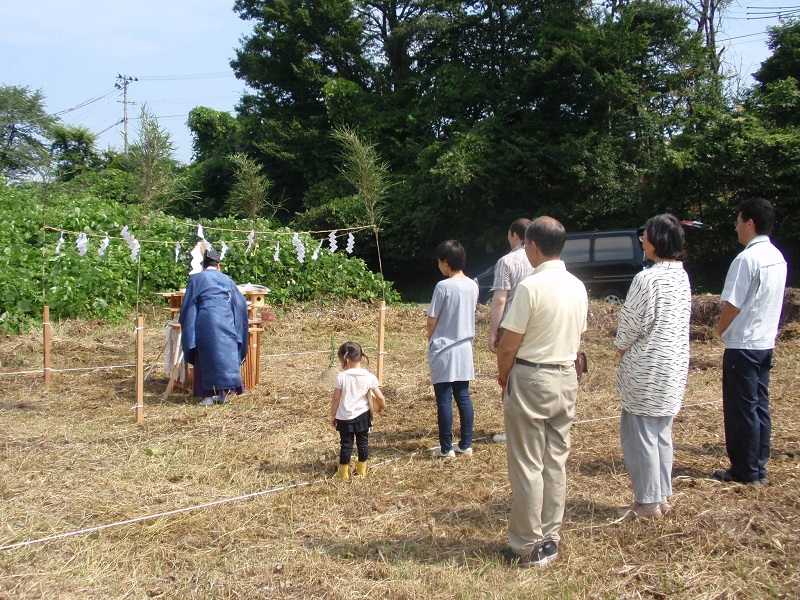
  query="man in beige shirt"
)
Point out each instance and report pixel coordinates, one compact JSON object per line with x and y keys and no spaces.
{"x":535,"y":361}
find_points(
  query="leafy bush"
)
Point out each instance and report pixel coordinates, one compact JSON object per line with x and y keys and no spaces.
{"x":109,"y":286}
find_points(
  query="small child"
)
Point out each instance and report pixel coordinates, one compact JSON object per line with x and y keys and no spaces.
{"x":350,"y":414}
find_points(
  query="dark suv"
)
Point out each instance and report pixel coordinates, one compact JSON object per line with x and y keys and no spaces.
{"x":605,"y":261}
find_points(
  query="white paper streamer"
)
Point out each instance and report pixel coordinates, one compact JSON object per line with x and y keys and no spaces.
{"x":301,"y":250}
{"x":277,"y":256}
{"x":103,"y":245}
{"x":133,"y":244}
{"x":82,"y":244}
{"x":250,"y":237}
{"x":177,"y":250}
{"x":197,"y":258}
{"x":332,"y":241}
{"x":351,"y":241}
{"x":315,"y":256}
{"x":60,"y":243}
{"x":200,"y":232}
{"x":224,"y":249}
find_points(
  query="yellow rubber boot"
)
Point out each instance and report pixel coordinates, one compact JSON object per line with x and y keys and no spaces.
{"x":343,"y":472}
{"x":361,"y":467}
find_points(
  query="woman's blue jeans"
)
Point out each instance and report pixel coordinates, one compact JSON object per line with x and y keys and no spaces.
{"x":445,"y":392}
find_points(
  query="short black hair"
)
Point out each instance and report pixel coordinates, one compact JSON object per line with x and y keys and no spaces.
{"x":548,"y":234}
{"x":520,"y":226}
{"x":453,"y":254}
{"x":665,"y":232}
{"x":762,"y":213}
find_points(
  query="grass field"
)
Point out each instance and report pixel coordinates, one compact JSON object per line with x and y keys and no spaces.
{"x":71,"y":458}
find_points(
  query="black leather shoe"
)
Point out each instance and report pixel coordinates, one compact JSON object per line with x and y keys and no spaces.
{"x":726,"y":477}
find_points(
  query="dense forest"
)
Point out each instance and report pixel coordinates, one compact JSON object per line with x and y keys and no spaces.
{"x":473,"y":113}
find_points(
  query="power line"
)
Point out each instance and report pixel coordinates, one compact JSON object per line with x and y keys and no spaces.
{"x":84,"y":103}
{"x":217,"y":75}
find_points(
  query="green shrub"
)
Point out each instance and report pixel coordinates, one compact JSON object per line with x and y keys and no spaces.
{"x":109,"y":286}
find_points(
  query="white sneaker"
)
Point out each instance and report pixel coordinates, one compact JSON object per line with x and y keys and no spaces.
{"x":207,"y":401}
{"x":500,"y":437}
{"x":458,"y":450}
{"x":437,"y":453}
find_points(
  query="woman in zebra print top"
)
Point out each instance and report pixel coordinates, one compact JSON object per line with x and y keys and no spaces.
{"x":653,"y":341}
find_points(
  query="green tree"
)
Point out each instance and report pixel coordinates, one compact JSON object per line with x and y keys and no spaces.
{"x":214,"y":132}
{"x":24,"y":132}
{"x":296,"y":48}
{"x":784,"y":62}
{"x":250,"y":192}
{"x":152,"y":163}
{"x":73,"y":150}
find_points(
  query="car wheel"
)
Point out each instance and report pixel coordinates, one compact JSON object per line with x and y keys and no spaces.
{"x":614,"y":297}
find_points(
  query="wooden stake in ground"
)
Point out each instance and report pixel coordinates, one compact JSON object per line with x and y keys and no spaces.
{"x":46,"y":331}
{"x":139,"y":408}
{"x":381,"y":333}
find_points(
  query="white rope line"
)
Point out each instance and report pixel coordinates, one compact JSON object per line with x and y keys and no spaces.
{"x":313,"y":352}
{"x":156,"y":516}
{"x":39,"y":372}
{"x":619,"y":416}
{"x":195,"y":507}
{"x":251,"y":495}
{"x":51,"y":370}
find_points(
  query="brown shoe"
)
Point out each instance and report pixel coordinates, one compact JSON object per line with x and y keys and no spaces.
{"x":637,"y":510}
{"x":665,"y":507}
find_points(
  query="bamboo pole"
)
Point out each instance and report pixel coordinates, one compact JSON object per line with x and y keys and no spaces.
{"x":46,"y":332}
{"x":138,"y":409}
{"x":381,"y":333}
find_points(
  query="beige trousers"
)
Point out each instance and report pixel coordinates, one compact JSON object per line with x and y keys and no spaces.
{"x":538,"y":407}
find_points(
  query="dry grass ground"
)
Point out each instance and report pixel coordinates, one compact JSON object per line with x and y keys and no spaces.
{"x":71,"y":458}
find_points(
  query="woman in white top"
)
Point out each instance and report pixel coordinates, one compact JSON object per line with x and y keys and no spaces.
{"x":653,"y":341}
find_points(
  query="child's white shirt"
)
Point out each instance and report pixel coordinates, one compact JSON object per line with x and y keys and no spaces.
{"x":354,"y":383}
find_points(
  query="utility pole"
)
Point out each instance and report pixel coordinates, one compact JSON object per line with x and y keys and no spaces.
{"x":122,"y":84}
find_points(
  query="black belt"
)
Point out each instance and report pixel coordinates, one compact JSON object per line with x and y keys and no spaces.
{"x":527,"y":363}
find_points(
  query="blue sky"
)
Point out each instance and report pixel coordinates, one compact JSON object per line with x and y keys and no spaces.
{"x":180,"y":50}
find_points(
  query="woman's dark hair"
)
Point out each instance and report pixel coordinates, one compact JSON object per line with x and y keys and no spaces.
{"x":762,"y":213}
{"x":453,"y":254}
{"x":665,"y":232}
{"x":352,"y":351}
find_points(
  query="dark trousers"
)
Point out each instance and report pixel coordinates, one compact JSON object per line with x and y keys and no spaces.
{"x":745,"y":405}
{"x":346,"y":448}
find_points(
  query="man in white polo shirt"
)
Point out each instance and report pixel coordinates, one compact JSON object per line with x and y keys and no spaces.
{"x":536,"y":368}
{"x":752,"y":299}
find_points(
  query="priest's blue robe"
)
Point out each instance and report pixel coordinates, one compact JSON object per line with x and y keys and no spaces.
{"x":214,"y":328}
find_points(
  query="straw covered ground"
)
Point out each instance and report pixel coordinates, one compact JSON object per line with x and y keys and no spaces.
{"x":71,"y":459}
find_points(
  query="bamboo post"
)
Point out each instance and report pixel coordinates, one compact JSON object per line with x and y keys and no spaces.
{"x":381,"y":332}
{"x":138,"y":409}
{"x":46,"y":332}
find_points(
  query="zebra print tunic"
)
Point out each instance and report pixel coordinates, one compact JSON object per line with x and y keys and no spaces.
{"x":654,"y":331}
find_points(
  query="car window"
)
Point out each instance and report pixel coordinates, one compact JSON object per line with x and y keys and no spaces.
{"x":576,"y":250}
{"x":613,"y":248}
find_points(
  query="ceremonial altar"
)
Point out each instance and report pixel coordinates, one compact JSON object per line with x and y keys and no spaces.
{"x":180,"y":372}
